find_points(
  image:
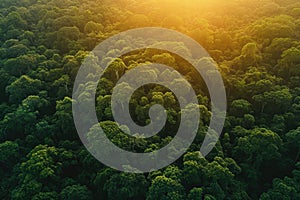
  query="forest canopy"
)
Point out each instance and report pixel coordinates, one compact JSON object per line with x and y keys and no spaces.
{"x":256,"y":46}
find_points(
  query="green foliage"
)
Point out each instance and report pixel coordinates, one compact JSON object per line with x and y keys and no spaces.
{"x":256,"y":46}
{"x":166,"y":189}
{"x":195,"y":194}
{"x":126,"y":186}
{"x":23,"y":87}
{"x":75,"y":192}
{"x":286,"y":188}
{"x":9,"y":154}
{"x":45,"y":196}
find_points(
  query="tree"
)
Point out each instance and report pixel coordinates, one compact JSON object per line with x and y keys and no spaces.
{"x":5,"y":80}
{"x":289,"y":63}
{"x":23,"y":87}
{"x":293,"y":142}
{"x":126,"y":186}
{"x":250,"y":56}
{"x":65,"y":37}
{"x":100,"y":180}
{"x":279,"y":26}
{"x":259,"y":146}
{"x":20,"y":65}
{"x":280,"y":98}
{"x":240,"y":107}
{"x":103,"y":108}
{"x":215,"y":189}
{"x":165,"y":189}
{"x":42,"y":164}
{"x":115,"y":70}
{"x":16,"y":51}
{"x":255,"y":152}
{"x":193,"y":173}
{"x":75,"y":192}
{"x":173,"y":172}
{"x":195,"y":194}
{"x":277,"y":46}
{"x":9,"y":155}
{"x":93,"y":27}
{"x":62,"y":86}
{"x":137,"y":20}
{"x":45,"y":196}
{"x":26,"y":190}
{"x":26,"y":117}
{"x":64,"y":119}
{"x":285,"y":188}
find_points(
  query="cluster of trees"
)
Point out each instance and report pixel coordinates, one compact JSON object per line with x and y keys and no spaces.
{"x":256,"y":45}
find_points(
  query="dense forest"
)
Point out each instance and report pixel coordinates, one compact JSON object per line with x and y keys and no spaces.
{"x":256,"y":45}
